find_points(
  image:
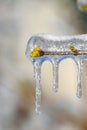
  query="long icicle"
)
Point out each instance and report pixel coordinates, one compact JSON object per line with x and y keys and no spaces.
{"x":79,"y":77}
{"x":37,"y":74}
{"x":55,"y":66}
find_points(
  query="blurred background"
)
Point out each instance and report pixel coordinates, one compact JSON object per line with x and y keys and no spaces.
{"x":19,"y":20}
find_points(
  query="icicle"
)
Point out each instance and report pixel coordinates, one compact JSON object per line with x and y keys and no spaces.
{"x":44,"y":45}
{"x":37,"y":76}
{"x":55,"y":73}
{"x":79,"y":78}
{"x":34,"y":70}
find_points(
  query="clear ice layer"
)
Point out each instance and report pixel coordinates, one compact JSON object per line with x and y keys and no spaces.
{"x":50,"y":43}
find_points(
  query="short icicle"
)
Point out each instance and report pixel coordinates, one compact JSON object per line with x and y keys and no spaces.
{"x":55,"y":66}
{"x":37,"y":76}
{"x":79,"y":77}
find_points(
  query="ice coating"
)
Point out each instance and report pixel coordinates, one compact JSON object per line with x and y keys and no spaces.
{"x":80,"y":63}
{"x":55,"y":66}
{"x":50,"y":43}
{"x":37,"y":76}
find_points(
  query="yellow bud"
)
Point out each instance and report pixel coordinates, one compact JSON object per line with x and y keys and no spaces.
{"x":31,"y":54}
{"x":37,"y":49}
{"x":72,"y":48}
{"x":84,"y":7}
{"x":37,"y":52}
